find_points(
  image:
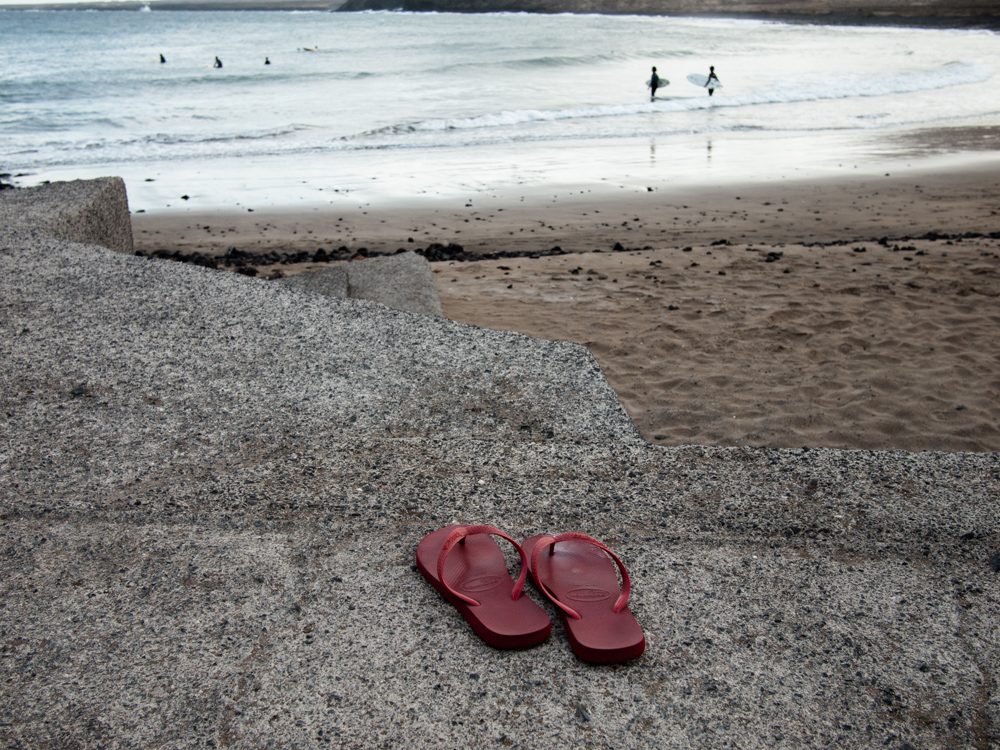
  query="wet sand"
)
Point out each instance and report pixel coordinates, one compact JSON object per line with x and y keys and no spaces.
{"x":898,"y":203}
{"x":852,"y":313}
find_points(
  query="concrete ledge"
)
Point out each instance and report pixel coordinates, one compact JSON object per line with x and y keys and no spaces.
{"x":89,"y":211}
{"x":402,"y":282}
{"x":330,"y":282}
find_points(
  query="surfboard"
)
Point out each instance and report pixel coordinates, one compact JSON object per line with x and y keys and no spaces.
{"x":700,"y":80}
{"x":663,"y":82}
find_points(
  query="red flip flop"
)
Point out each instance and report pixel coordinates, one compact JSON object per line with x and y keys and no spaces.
{"x":576,"y":572}
{"x":468,"y":568}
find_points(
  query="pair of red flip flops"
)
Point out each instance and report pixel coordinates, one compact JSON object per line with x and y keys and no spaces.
{"x":575,"y":571}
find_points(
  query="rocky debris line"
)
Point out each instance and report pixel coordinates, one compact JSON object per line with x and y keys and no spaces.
{"x":928,"y":236}
{"x":249,"y":263}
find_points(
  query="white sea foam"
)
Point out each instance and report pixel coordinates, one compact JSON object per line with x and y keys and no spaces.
{"x":850,"y":87}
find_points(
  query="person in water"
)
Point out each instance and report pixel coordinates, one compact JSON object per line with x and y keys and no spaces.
{"x":162,"y":58}
{"x":654,"y":84}
{"x":218,"y":63}
{"x":267,"y":60}
{"x":711,"y":77}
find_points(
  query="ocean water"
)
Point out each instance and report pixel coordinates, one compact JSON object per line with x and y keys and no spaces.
{"x":389,"y":105}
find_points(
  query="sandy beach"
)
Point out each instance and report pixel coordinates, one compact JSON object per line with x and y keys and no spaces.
{"x":851,"y":313}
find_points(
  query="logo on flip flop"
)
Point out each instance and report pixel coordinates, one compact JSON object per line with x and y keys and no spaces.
{"x":587,"y":594}
{"x":481,"y":583}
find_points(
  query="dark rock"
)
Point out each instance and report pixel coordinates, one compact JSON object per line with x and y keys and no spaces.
{"x":437,"y":252}
{"x":204,"y":260}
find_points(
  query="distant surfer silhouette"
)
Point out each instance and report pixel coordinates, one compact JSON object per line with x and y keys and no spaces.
{"x":654,"y":84}
{"x":711,"y":77}
{"x":218,"y":63}
{"x":267,"y":60}
{"x":162,"y":58}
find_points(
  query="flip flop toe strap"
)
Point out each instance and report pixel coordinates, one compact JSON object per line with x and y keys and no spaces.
{"x":550,"y":542}
{"x":457,"y":536}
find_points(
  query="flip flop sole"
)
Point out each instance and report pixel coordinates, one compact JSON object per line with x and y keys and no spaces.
{"x":584,"y":578}
{"x":476,"y":568}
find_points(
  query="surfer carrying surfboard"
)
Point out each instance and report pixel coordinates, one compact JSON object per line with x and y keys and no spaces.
{"x":710,"y":82}
{"x":654,"y":84}
{"x":711,"y":77}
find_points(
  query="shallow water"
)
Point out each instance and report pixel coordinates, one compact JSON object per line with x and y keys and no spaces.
{"x":364,"y":106}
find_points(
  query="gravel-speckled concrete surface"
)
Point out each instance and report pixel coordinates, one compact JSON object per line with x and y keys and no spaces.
{"x":211,"y":488}
{"x":402,"y":282}
{"x":92,"y":211}
{"x":330,"y":282}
